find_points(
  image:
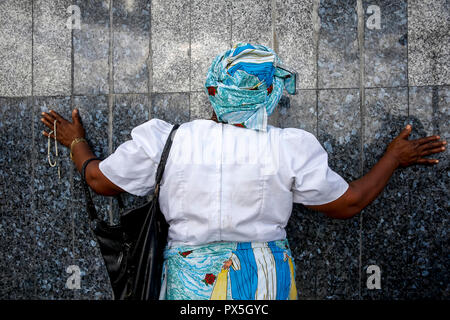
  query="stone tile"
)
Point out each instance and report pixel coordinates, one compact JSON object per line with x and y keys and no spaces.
{"x":96,"y":125}
{"x":16,"y":194}
{"x":87,"y":256}
{"x":339,"y":131}
{"x":297,"y":38}
{"x":53,"y":228}
{"x":385,"y":220}
{"x":16,"y":257}
{"x":91,"y":48}
{"x":15,"y":162}
{"x":252,"y":22}
{"x":326,"y":251}
{"x":170,"y":46}
{"x":297,"y":111}
{"x":15,"y":48}
{"x":429,"y":40}
{"x":338,"y":57}
{"x":385,"y":49}
{"x":129,"y":111}
{"x":52,"y":47}
{"x":170,"y":107}
{"x":201,"y":107}
{"x":131,"y":27}
{"x":210,"y":36}
{"x":302,"y":231}
{"x":428,"y":223}
{"x":95,"y":284}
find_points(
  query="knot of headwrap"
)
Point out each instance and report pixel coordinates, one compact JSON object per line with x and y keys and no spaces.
{"x":245,"y":83}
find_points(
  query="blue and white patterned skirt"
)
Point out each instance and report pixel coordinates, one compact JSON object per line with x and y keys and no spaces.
{"x":229,"y":271}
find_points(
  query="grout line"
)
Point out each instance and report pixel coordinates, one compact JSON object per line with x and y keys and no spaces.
{"x":411,"y":180}
{"x":316,"y":23}
{"x":230,"y":11}
{"x":199,"y":91}
{"x":274,"y":34}
{"x":150,"y":70}
{"x":110,"y":96}
{"x":190,"y":57}
{"x":150,"y":64}
{"x":362,"y":100}
{"x":72,"y":166}
{"x":33,"y":142}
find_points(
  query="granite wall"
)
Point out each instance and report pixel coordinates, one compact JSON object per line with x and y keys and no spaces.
{"x":360,"y":81}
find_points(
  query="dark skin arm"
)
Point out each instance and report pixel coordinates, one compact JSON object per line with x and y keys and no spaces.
{"x":66,"y":132}
{"x":401,"y":152}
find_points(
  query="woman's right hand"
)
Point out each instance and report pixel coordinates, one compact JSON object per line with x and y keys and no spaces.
{"x":409,"y":152}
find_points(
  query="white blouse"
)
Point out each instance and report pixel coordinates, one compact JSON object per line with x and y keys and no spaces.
{"x":223,"y":182}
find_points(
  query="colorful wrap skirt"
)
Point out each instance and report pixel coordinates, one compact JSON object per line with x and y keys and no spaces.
{"x":229,"y":271}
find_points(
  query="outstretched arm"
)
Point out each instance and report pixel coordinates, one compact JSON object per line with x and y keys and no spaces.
{"x":66,"y":133}
{"x":401,"y":152}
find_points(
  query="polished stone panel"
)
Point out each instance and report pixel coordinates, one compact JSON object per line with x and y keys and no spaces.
{"x":210,"y":36}
{"x":15,"y":163}
{"x":129,"y":112}
{"x":428,"y":224}
{"x":339,"y":127}
{"x":297,"y":111}
{"x":385,"y":49}
{"x":338,"y":57}
{"x":52,"y":215}
{"x":170,"y":46}
{"x":52,"y":47}
{"x":96,"y":124}
{"x":94,"y":280}
{"x":131,"y":32}
{"x":15,"y":48}
{"x":170,"y":107}
{"x":16,"y":193}
{"x":201,"y":107}
{"x":385,"y":220}
{"x":16,"y":257}
{"x":429,"y":40}
{"x":91,"y":48}
{"x":304,"y":224}
{"x":135,"y":60}
{"x":252,"y":22}
{"x":297,"y":38}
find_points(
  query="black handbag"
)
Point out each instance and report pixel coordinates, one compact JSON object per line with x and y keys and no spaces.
{"x":133,"y":249}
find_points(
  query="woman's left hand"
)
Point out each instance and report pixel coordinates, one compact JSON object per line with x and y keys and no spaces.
{"x":66,"y":131}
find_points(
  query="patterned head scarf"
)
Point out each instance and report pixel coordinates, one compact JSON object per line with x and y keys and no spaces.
{"x":245,"y":83}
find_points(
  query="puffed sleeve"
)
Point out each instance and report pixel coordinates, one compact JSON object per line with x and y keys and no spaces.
{"x":133,"y":164}
{"x":315,"y":182}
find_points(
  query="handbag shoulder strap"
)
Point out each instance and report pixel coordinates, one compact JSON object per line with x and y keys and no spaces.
{"x":164,"y":157}
{"x":90,"y":207}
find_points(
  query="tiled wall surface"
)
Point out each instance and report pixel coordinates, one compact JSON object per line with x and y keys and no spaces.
{"x":133,"y":60}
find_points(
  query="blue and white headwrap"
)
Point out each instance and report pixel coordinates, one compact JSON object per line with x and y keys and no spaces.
{"x":245,"y":83}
